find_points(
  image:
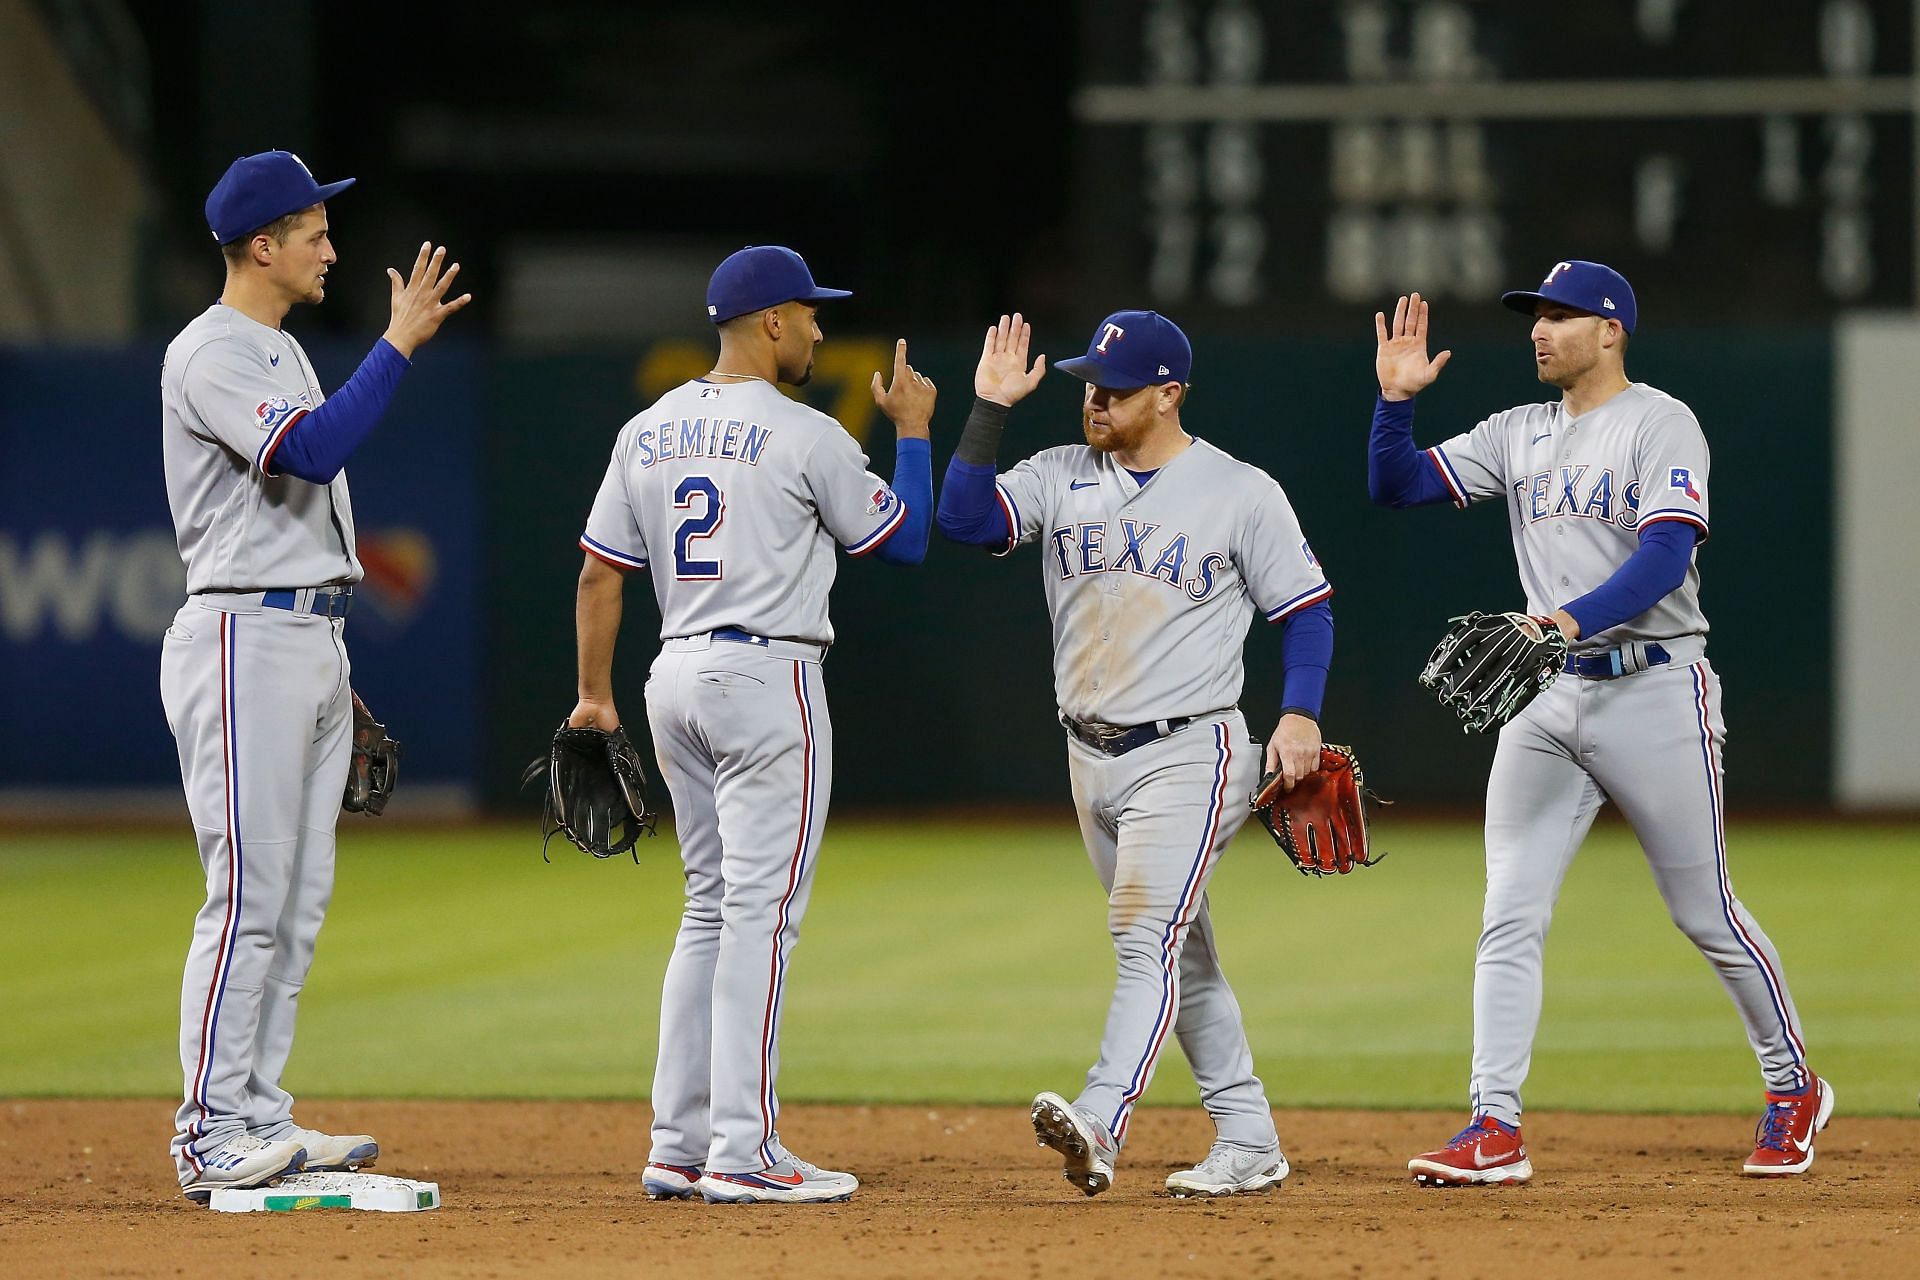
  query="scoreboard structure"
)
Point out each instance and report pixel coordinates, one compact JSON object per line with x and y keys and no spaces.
{"x":1284,"y":162}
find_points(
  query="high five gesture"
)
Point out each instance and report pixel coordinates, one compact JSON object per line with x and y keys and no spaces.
{"x":1401,"y":361}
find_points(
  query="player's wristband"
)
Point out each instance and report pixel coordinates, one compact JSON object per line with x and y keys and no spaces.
{"x":980,"y":438}
{"x":1299,"y":711}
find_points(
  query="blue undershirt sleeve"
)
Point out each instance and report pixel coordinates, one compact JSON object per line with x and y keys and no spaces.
{"x":1306,"y":652}
{"x":1656,"y":568}
{"x":970,"y":510}
{"x":913,"y":485}
{"x":1397,"y":475}
{"x":319,"y":444}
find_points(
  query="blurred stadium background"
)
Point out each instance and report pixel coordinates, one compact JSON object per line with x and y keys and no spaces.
{"x":1268,"y":173}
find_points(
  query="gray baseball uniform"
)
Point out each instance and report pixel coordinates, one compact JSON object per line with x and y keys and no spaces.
{"x":1152,"y":589}
{"x":259,"y":705}
{"x":734,"y":498}
{"x":1578,"y":491}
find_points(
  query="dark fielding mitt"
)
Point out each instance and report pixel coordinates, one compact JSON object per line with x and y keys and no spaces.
{"x":375,"y":767}
{"x":1322,"y":823}
{"x":1489,"y":666}
{"x":596,"y":791}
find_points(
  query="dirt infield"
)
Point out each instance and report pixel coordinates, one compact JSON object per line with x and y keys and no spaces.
{"x":552,"y":1189}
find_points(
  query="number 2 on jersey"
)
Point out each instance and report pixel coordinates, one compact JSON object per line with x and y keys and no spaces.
{"x":712,"y":511}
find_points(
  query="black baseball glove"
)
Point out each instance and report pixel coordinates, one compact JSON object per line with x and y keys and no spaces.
{"x":1489,"y":666}
{"x":375,"y":767}
{"x":596,"y":791}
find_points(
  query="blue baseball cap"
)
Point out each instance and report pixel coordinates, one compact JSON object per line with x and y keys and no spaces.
{"x":762,"y":276}
{"x":1133,"y":349}
{"x":1585,"y":286}
{"x":257,"y":189}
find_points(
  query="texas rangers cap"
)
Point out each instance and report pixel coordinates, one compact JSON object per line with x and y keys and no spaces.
{"x":1133,"y":349}
{"x":1586,"y":286}
{"x":257,"y":189}
{"x":762,"y":276}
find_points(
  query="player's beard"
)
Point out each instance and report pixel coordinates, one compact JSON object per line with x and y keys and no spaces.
{"x":1112,"y":438}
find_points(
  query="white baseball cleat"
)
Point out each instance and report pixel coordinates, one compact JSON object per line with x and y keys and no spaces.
{"x":670,"y":1181}
{"x":244,"y":1161}
{"x":791,"y":1181}
{"x":335,"y":1152}
{"x":1229,"y":1171}
{"x":1078,"y":1136}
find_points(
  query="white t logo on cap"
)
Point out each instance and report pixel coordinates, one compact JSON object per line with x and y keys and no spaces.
{"x":1112,"y":331}
{"x":1558,"y":267}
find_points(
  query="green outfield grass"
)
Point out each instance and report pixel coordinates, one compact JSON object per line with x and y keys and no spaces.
{"x":949,"y":963}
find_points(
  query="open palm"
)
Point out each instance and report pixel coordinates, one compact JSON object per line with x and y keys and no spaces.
{"x":1400,"y":361}
{"x":1002,"y":375}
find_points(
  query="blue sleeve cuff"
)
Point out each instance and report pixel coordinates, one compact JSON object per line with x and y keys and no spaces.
{"x":913,"y":485}
{"x":1397,"y":476}
{"x":1646,"y":578}
{"x":1306,"y":649}
{"x":970,"y":510}
{"x":315,"y":446}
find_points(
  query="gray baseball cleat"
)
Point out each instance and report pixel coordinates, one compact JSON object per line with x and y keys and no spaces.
{"x":1228,"y":1171}
{"x":1080,"y":1137}
{"x":244,"y":1161}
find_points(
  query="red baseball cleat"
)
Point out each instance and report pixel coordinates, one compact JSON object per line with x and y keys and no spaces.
{"x":1486,"y":1152}
{"x":1783,"y":1142}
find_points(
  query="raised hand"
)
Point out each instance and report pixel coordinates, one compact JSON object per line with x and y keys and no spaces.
{"x":1003,"y":376}
{"x":1400,"y":362}
{"x":417,"y":302}
{"x":909,"y":401}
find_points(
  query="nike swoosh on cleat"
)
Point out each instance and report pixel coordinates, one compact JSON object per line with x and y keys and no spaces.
{"x":1480,"y":1162}
{"x":793,"y":1179}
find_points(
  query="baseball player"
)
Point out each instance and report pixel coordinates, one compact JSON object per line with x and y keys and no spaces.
{"x":254,"y":671}
{"x":1156,"y":551}
{"x":1606,"y":490}
{"x":733,"y":497}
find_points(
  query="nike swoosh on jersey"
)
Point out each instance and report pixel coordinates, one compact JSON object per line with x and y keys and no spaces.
{"x":1538,"y":439}
{"x":1082,"y":484}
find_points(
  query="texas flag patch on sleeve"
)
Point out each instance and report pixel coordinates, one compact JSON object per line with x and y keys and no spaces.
{"x":1682,"y":479}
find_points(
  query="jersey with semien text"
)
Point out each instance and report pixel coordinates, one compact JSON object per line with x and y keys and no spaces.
{"x":734,"y":497}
